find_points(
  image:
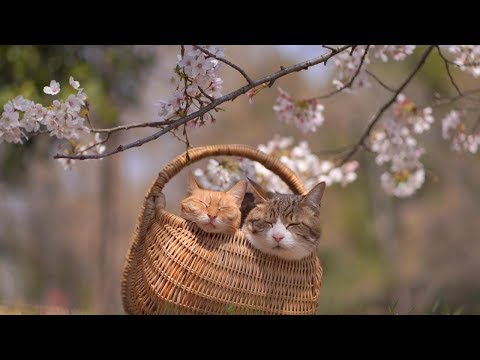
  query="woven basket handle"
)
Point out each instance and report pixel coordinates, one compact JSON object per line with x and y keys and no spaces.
{"x":196,"y":154}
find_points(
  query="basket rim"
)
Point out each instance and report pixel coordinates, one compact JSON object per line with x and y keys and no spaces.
{"x":189,"y":157}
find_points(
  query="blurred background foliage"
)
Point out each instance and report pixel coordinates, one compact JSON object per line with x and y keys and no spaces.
{"x":64,"y":235}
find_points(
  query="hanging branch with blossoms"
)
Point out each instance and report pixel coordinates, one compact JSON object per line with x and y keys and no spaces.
{"x":392,"y":134}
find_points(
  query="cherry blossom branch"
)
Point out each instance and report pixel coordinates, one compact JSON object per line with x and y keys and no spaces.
{"x":179,"y":138}
{"x":471,"y":64}
{"x":338,"y":151}
{"x":350,"y":82}
{"x":447,"y":67}
{"x":229,"y":63}
{"x":205,"y":94}
{"x":131,"y":126}
{"x":380,"y":82}
{"x":378,"y":115}
{"x":88,"y":111}
{"x":96,"y":144}
{"x":269,"y":79}
{"x":465,"y":95}
{"x":330,"y":48}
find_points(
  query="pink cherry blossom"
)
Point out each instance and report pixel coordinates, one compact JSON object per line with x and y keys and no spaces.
{"x":53,"y":89}
{"x":306,"y":115}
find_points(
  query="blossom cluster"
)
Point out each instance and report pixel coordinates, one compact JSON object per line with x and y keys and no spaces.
{"x":454,"y":129}
{"x":395,"y":52}
{"x":94,"y":147}
{"x":306,"y":115}
{"x":65,"y":119}
{"x":467,"y":58}
{"x":196,"y":82}
{"x":393,"y":142}
{"x":346,"y":64}
{"x":419,"y":120}
{"x":221,"y":175}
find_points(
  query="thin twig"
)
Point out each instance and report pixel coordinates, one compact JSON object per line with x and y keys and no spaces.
{"x":377,"y":79}
{"x":229,"y":63}
{"x":88,"y":111}
{"x":270,"y":79}
{"x":447,"y":67}
{"x":337,"y":151}
{"x":465,"y":95}
{"x":350,"y":82}
{"x":178,"y":137}
{"x":463,"y":65}
{"x":205,"y":94}
{"x":377,"y":116}
{"x":330,"y":48}
{"x":155,"y":124}
{"x":96,"y":144}
{"x":187,"y":142}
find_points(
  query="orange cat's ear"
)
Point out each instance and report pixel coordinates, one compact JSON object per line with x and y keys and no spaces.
{"x":237,"y":192}
{"x":258,"y":191}
{"x":192,"y":184}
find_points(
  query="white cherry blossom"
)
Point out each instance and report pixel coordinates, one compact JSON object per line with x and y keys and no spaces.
{"x":73,"y":83}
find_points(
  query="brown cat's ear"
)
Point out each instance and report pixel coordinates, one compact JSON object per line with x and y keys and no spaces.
{"x":192,"y":184}
{"x":260,"y":194}
{"x":237,"y":192}
{"x":314,"y":197}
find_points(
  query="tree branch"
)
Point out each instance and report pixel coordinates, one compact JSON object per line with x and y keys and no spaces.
{"x":330,"y":48}
{"x":101,"y":142}
{"x":447,"y":67}
{"x":131,"y":126}
{"x":229,"y":63}
{"x":350,"y":82}
{"x":205,"y":94}
{"x":337,"y":151}
{"x":377,"y":79}
{"x":465,"y":95}
{"x":377,"y":116}
{"x":270,"y":79}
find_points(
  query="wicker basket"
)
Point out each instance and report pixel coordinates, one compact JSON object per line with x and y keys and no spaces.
{"x":173,"y":267}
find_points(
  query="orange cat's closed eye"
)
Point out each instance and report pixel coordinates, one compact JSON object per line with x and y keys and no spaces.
{"x":214,"y":211}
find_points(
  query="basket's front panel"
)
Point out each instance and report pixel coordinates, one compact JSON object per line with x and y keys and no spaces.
{"x":181,"y":269}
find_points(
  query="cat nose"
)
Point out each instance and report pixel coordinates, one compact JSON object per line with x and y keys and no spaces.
{"x":212,"y":217}
{"x":278,"y":237}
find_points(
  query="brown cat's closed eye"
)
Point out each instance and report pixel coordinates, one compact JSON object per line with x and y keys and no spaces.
{"x":214,"y":211}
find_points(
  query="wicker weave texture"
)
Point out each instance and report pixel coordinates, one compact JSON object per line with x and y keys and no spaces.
{"x":173,"y":267}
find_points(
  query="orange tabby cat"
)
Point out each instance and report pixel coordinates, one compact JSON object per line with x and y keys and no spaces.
{"x":214,"y":211}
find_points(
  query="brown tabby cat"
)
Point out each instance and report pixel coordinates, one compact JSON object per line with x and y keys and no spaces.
{"x":214,"y":211}
{"x":287,"y":226}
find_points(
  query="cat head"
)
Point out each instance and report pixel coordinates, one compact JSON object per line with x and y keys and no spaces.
{"x":214,"y":211}
{"x":287,"y":226}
